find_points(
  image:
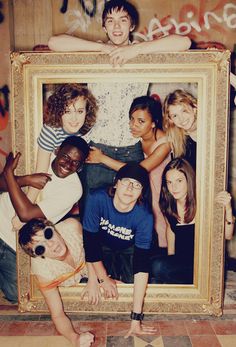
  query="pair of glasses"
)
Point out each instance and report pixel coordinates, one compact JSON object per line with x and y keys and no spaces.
{"x":40,"y":249}
{"x":135,"y":184}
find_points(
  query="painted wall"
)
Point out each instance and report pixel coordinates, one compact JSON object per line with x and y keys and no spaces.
{"x":5,"y":134}
{"x":203,"y":20}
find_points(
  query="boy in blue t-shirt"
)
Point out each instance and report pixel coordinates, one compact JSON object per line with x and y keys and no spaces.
{"x":117,"y":230}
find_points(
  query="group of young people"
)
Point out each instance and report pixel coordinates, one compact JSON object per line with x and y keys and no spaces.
{"x":138,"y":182}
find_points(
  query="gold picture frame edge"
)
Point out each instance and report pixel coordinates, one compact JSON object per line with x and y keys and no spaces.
{"x":206,"y":299}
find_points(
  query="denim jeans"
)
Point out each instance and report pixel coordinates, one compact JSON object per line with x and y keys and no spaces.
{"x":95,"y":176}
{"x":8,"y":277}
{"x":119,"y":263}
{"x":171,"y":269}
{"x":99,"y":175}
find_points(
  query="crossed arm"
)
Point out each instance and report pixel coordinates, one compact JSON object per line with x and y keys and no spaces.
{"x":37,"y":181}
{"x":120,"y":54}
{"x":24,"y":208}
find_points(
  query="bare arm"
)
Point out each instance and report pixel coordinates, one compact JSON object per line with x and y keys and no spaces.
{"x":92,"y":289}
{"x":149,"y":163}
{"x":171,"y":43}
{"x":42,"y":165}
{"x":67,"y":43}
{"x":156,"y":157}
{"x":108,"y":284}
{"x":224,"y":198}
{"x":61,"y":321}
{"x":140,"y":286}
{"x":97,"y":157}
{"x":24,"y":208}
{"x":35,"y":180}
{"x":170,"y":240}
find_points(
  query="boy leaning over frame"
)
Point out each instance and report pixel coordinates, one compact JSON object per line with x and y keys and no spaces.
{"x":119,"y":19}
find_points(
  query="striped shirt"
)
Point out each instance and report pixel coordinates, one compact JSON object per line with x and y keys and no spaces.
{"x":51,"y":138}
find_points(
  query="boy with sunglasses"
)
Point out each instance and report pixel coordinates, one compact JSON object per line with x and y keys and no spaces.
{"x":57,"y":260}
{"x":57,"y":198}
{"x":117,"y":231}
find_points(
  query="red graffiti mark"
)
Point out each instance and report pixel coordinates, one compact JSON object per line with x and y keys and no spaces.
{"x":198,"y":18}
{"x":1,"y":151}
{"x":3,"y":117}
{"x":219,"y":5}
{"x":165,"y":21}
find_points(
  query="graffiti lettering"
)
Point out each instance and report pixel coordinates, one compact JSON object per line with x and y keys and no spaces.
{"x":1,"y":14}
{"x":207,"y":20}
{"x":88,"y":7}
{"x":4,"y":107}
{"x":64,"y":6}
{"x":190,"y":21}
{"x":76,"y":19}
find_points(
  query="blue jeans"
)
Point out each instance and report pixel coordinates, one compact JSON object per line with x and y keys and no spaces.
{"x":171,"y":269}
{"x":119,"y":263}
{"x":99,"y":175}
{"x":8,"y":277}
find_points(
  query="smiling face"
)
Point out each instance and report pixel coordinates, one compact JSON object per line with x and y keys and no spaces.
{"x":141,"y":123}
{"x":118,"y":27}
{"x":128,"y":190}
{"x":54,"y":248}
{"x":183,"y":116}
{"x":177,"y":184}
{"x":74,"y":118}
{"x":68,"y":160}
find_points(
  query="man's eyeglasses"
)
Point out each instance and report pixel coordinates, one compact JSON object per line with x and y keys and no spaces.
{"x":48,"y":234}
{"x":135,"y":184}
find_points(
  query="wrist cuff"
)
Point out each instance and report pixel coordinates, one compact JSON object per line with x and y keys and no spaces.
{"x":136,"y":316}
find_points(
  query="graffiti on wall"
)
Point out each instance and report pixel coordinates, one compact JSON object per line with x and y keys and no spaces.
{"x":89,"y":6}
{"x":189,"y":25}
{"x":76,"y":19}
{"x":4,"y":111}
{"x":192,"y":20}
{"x":1,"y":14}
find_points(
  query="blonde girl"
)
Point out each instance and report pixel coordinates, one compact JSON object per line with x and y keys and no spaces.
{"x":180,"y":124}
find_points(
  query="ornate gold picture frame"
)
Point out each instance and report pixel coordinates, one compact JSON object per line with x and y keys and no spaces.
{"x":207,"y":72}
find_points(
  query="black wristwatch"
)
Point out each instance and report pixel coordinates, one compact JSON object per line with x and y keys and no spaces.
{"x":136,"y":316}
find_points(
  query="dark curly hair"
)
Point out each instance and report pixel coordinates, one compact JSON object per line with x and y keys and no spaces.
{"x":63,"y":96}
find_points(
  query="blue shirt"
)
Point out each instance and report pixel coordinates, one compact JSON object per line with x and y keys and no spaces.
{"x":118,"y":230}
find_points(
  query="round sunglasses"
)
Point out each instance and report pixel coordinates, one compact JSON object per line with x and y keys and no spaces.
{"x":40,"y":249}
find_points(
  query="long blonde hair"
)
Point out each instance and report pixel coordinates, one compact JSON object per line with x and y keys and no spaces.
{"x":176,"y":135}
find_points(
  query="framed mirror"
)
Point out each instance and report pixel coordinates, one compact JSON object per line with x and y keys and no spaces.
{"x":205,"y":75}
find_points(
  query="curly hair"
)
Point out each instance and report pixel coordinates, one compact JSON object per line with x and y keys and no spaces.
{"x":176,"y":135}
{"x":65,"y":95}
